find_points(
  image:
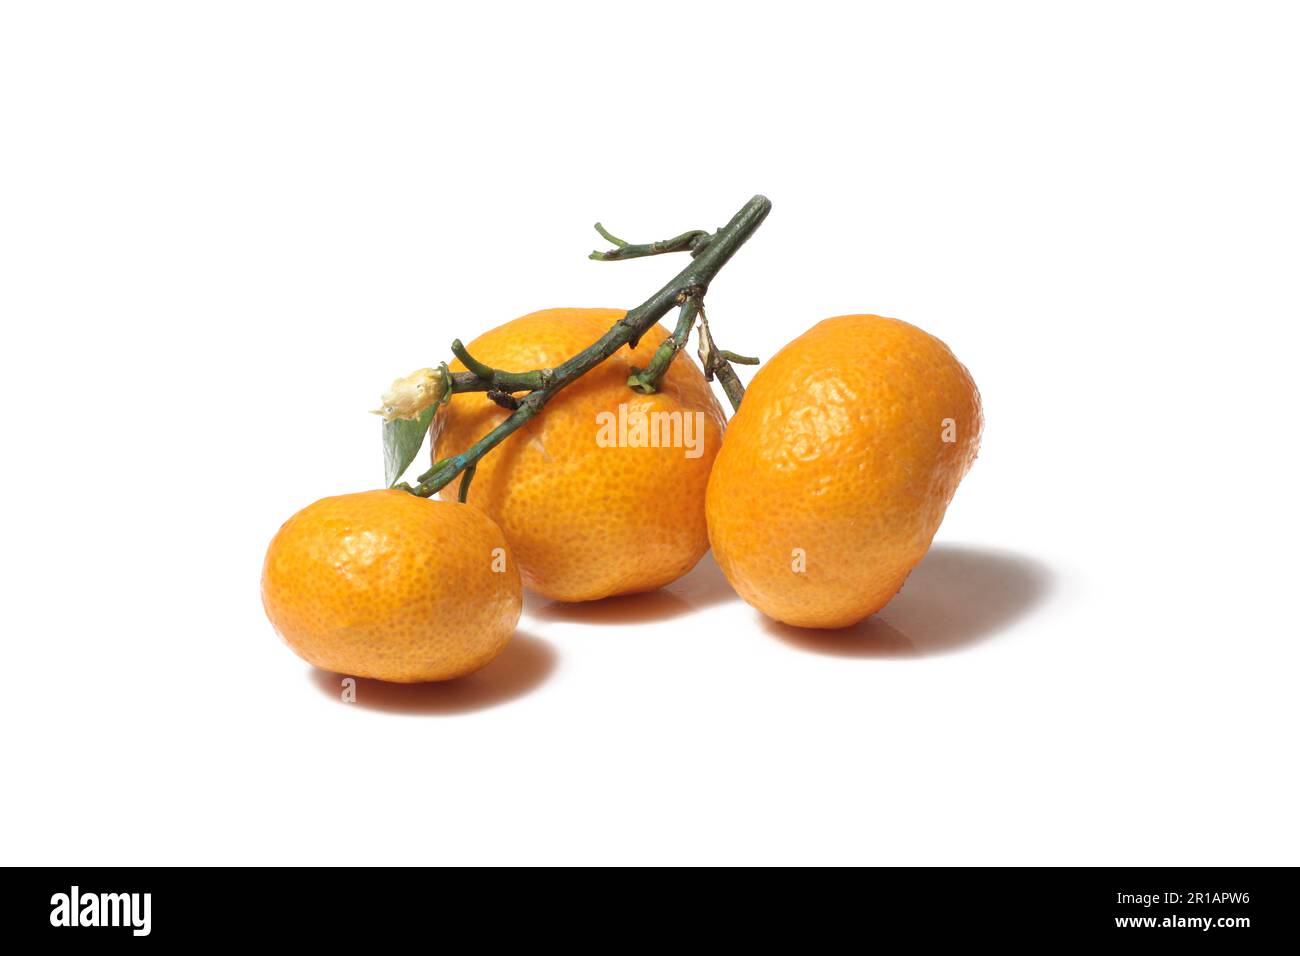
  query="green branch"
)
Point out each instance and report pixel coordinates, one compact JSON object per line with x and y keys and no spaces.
{"x":485,"y":378}
{"x":691,"y":283}
{"x":692,"y":242}
{"x":717,"y":362}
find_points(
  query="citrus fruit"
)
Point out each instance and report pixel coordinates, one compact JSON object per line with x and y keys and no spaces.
{"x":838,"y":467}
{"x":387,"y":585}
{"x":592,"y":503}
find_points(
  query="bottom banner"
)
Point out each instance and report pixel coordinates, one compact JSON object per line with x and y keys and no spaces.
{"x":133,"y":907}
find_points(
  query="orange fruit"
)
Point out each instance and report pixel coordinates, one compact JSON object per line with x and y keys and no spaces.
{"x":837,"y":470}
{"x":387,"y":585}
{"x":591,"y":507}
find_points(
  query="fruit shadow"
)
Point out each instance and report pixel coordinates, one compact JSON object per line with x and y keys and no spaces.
{"x":703,"y":586}
{"x":956,"y":597}
{"x":520,"y":669}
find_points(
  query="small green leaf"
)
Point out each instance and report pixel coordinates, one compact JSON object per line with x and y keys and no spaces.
{"x":402,"y":441}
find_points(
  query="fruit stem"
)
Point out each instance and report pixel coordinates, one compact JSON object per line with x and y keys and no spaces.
{"x":691,"y":283}
{"x":646,"y":380}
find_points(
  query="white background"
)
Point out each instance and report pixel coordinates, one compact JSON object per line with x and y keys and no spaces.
{"x":224,"y":228}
